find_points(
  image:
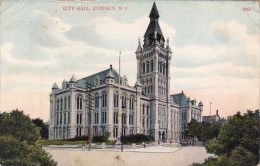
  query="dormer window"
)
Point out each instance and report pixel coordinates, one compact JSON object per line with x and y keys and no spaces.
{"x":97,"y":81}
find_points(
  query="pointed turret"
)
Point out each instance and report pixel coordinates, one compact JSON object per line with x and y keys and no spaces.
{"x":110,"y":74}
{"x":153,"y":34}
{"x":73,"y":79}
{"x":154,"y":14}
{"x":139,"y":48}
{"x":55,"y":86}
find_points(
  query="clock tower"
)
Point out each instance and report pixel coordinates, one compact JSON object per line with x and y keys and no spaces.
{"x":153,"y":72}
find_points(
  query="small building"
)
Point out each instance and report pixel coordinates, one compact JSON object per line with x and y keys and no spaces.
{"x":211,"y":118}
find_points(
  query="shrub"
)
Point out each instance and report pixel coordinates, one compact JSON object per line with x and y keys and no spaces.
{"x":136,"y":138}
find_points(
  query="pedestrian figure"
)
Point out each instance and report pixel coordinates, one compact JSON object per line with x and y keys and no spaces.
{"x":144,"y":145}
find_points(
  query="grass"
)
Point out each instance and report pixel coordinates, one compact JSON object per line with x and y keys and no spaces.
{"x":68,"y":142}
{"x":60,"y":142}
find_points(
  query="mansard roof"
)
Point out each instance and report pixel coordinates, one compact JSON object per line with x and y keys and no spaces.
{"x":102,"y":76}
{"x":179,"y":99}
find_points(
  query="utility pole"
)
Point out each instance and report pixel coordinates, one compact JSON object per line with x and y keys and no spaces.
{"x":89,"y":106}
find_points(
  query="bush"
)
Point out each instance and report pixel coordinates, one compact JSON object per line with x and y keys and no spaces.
{"x":137,"y":138}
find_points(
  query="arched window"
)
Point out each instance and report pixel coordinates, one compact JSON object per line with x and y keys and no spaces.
{"x":143,"y":68}
{"x":104,"y":100}
{"x":96,"y":100}
{"x":123,"y":101}
{"x":147,"y":66}
{"x":79,"y":101}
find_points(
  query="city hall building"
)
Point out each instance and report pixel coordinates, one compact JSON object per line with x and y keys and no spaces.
{"x":122,"y":109}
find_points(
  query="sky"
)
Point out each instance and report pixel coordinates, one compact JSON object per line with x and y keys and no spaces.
{"x":215,"y":47}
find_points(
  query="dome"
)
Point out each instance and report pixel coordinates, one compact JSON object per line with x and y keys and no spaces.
{"x":73,"y":79}
{"x":200,"y":103}
{"x":55,"y":86}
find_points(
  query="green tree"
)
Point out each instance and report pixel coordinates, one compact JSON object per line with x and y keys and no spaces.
{"x":19,"y":126}
{"x":193,"y":129}
{"x":43,"y":127}
{"x":241,"y":131}
{"x":239,"y":157}
{"x":18,"y":142}
{"x":16,"y":153}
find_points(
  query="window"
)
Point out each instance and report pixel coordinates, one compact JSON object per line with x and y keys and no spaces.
{"x":79,"y":118}
{"x":95,"y":130}
{"x":115,"y":130}
{"x":123,"y":118}
{"x":143,"y":68}
{"x":147,"y":110}
{"x":96,"y":118}
{"x":60,"y":118}
{"x":68,"y":102}
{"x":61,"y":104}
{"x":68,"y":117}
{"x":96,"y":101}
{"x":116,"y":100}
{"x":143,"y":109}
{"x":151,"y":65}
{"x":123,"y":101}
{"x":131,"y":119}
{"x":115,"y":118}
{"x":65,"y":103}
{"x":147,"y":67}
{"x":58,"y":105}
{"x":104,"y":100}
{"x":65,"y":118}
{"x":57,"y":119}
{"x":131,"y":103}
{"x":104,"y":117}
{"x":79,"y":131}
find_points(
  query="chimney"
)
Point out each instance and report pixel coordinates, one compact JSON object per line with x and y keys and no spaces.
{"x":216,"y":112}
{"x":110,"y":66}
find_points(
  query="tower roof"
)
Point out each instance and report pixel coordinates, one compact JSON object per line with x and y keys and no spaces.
{"x":55,"y":86}
{"x":73,"y":79}
{"x":154,"y":27}
{"x":110,"y":74}
{"x":154,"y":14}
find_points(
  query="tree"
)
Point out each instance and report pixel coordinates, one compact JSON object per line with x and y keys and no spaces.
{"x":43,"y":128}
{"x":241,"y":131}
{"x":193,"y":129}
{"x":239,"y":157}
{"x":19,"y":126}
{"x":13,"y":152}
{"x":18,"y":141}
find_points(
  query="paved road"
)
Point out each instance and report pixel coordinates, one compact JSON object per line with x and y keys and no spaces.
{"x":151,"y":156}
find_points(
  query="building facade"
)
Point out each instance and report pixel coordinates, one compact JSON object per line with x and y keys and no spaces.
{"x":121,"y":109}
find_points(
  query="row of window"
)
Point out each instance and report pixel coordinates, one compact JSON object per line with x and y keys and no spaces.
{"x":131,"y":102}
{"x":149,"y":67}
{"x":62,"y":118}
{"x":148,"y":90}
{"x":63,"y":104}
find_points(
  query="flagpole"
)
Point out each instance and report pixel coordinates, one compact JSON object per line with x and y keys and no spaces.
{"x":118,"y":141}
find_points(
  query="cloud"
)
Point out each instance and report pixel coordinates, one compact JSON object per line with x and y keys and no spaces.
{"x":113,"y":34}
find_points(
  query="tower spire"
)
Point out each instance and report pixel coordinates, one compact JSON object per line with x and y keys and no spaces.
{"x":153,"y":34}
{"x":154,"y":14}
